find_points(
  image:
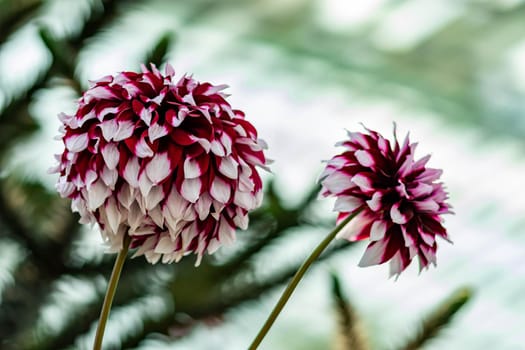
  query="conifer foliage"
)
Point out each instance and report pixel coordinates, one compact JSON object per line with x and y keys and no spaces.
{"x":40,"y":262}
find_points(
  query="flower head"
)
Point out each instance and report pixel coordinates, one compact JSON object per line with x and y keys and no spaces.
{"x":167,"y":162}
{"x":398,"y":199}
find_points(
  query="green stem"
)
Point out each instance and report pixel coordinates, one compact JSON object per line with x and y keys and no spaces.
{"x":295,"y":281}
{"x":110,"y":292}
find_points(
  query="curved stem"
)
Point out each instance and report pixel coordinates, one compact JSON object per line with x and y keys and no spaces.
{"x":295,"y":280}
{"x":110,"y":292}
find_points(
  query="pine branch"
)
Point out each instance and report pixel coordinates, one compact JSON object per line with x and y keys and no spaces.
{"x":158,"y":53}
{"x":130,"y":288}
{"x":221,"y":302}
{"x":28,"y":214}
{"x":42,"y":251}
{"x":102,"y":16}
{"x":65,"y":51}
{"x":269,"y":223}
{"x":433,"y":325}
{"x":15,"y":14}
{"x":63,"y":58}
{"x":351,"y":335}
{"x":254,"y":288}
{"x":16,"y":122}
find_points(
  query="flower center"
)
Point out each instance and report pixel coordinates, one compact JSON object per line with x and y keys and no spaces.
{"x":401,"y":190}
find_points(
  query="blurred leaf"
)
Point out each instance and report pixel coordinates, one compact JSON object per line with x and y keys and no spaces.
{"x":63,"y":58}
{"x":160,"y":50}
{"x":16,"y":13}
{"x":103,"y":14}
{"x":269,"y":223}
{"x":16,"y":124}
{"x":199,"y":298}
{"x":350,"y":333}
{"x":441,"y":317}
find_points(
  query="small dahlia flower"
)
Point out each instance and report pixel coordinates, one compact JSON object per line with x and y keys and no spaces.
{"x":398,"y":199}
{"x":167,"y":162}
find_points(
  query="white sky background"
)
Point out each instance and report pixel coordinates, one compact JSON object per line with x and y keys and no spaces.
{"x":301,"y":120}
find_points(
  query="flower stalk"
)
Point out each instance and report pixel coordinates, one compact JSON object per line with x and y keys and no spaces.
{"x":296,"y":279}
{"x":110,"y":292}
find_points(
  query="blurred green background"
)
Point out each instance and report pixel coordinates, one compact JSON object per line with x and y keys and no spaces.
{"x":450,"y":72}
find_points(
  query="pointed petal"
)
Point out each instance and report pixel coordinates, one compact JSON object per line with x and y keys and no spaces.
{"x":337,"y":182}
{"x":142,"y":149}
{"x":347,"y":204}
{"x":229,"y":167}
{"x":192,"y":168}
{"x":217,"y":148}
{"x":156,"y":215}
{"x":145,"y":185}
{"x":125,"y":130}
{"x":364,"y":158}
{"x":111,"y":155}
{"x":373,"y":254}
{"x":428,"y":205}
{"x":203,"y":206}
{"x":378,"y":230}
{"x":165,"y":245}
{"x":147,"y":245}
{"x":191,"y":189}
{"x":354,"y":229}
{"x":109,"y":177}
{"x":131,"y":172}
{"x":97,"y":195}
{"x":374,"y":203}
{"x":363,"y":182}
{"x":245,"y":200}
{"x":220,"y":190}
{"x":427,"y":238}
{"x":158,"y":168}
{"x":176,"y":204}
{"x":154,"y":197}
{"x":77,"y":143}
{"x":157,"y":131}
{"x":226,"y":233}
{"x":398,"y":216}
{"x":113,"y":214}
{"x":396,"y":265}
{"x":109,"y":129}
{"x":125,"y":196}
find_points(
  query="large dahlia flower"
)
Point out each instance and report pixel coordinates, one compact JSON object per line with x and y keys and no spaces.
{"x":398,"y":200}
{"x":167,"y":162}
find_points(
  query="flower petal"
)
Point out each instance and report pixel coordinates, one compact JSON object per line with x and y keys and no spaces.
{"x":191,"y":189}
{"x":158,"y":168}
{"x":220,"y":190}
{"x":77,"y":143}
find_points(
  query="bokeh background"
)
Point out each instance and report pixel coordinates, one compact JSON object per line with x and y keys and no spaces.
{"x":452,"y":73}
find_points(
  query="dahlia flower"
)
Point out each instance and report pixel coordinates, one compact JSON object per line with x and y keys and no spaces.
{"x":398,"y":200}
{"x":167,"y":162}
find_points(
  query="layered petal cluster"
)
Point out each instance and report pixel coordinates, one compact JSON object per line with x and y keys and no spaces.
{"x":398,"y":200}
{"x":167,"y":162}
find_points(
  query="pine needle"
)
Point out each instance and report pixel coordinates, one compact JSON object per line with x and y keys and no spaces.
{"x":350,"y":332}
{"x":438,"y":319}
{"x":158,"y":53}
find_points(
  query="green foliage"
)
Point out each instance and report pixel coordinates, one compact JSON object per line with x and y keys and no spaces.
{"x":351,"y":335}
{"x":434,"y":323}
{"x":158,"y":54}
{"x":14,"y":14}
{"x":47,"y":234}
{"x":350,"y":332}
{"x":44,"y":227}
